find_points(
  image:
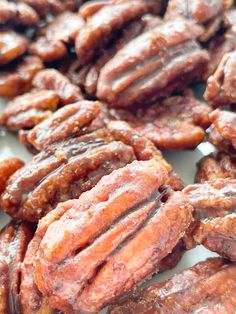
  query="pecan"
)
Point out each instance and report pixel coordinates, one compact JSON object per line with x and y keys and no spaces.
{"x":18,"y":14}
{"x":209,"y":14}
{"x":153,"y":65}
{"x":61,"y":172}
{"x":175,"y":123}
{"x":17,"y":78}
{"x":220,"y":89}
{"x":7,"y":168}
{"x":14,"y":239}
{"x":103,"y":23}
{"x":52,"y":79}
{"x":117,"y":231}
{"x":223,"y":131}
{"x":12,"y":45}
{"x":208,"y":287}
{"x":214,"y":166}
{"x":26,"y":111}
{"x":64,"y":123}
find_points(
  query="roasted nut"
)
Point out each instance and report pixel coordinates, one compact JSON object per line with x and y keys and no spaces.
{"x":218,"y":47}
{"x":213,"y":198}
{"x":208,"y":287}
{"x":153,"y":65}
{"x":103,"y":22}
{"x":223,"y":131}
{"x":18,"y":14}
{"x":116,"y":231}
{"x":53,"y":80}
{"x":175,"y":123}
{"x":28,"y":110}
{"x":17,"y":79}
{"x":64,"y":123}
{"x":62,"y":172}
{"x":12,"y":45}
{"x":220,"y":89}
{"x":14,"y":239}
{"x":215,"y":166}
{"x":206,"y":13}
{"x":7,"y":168}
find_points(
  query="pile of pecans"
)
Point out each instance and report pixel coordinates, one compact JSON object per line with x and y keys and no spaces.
{"x":97,"y":91}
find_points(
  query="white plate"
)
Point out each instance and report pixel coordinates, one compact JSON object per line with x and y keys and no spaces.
{"x":184,"y":163}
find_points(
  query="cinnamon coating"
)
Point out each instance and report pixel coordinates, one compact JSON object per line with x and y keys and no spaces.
{"x":220,"y":89}
{"x":208,"y":286}
{"x":16,"y":79}
{"x":153,"y":65}
{"x":14,"y":239}
{"x":26,"y":111}
{"x":223,"y":131}
{"x":64,"y":123}
{"x":117,"y":229}
{"x":61,"y":172}
{"x":12,"y":45}
{"x":214,"y":166}
{"x":103,"y":21}
{"x":52,"y":79}
{"x":7,"y":168}
{"x":175,"y":123}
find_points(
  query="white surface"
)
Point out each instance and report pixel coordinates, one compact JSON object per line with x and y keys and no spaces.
{"x":184,"y":163}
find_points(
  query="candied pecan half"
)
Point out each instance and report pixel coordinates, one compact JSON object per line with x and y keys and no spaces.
{"x":220,"y":89}
{"x":52,"y":79}
{"x":175,"y":123}
{"x":14,"y":239}
{"x":212,"y":198}
{"x":7,"y":168}
{"x":17,"y":79}
{"x":223,"y":131}
{"x":26,"y":111}
{"x":207,"y":287}
{"x":120,"y":230}
{"x":18,"y":14}
{"x":218,"y":47}
{"x":64,"y":123}
{"x":206,"y":13}
{"x":12,"y":45}
{"x":214,"y":166}
{"x":153,"y":65}
{"x":61,"y":172}
{"x":104,"y":23}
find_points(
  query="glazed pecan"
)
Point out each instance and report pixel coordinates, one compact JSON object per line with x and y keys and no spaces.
{"x":52,"y":79}
{"x":17,"y":79}
{"x":214,"y":166}
{"x":12,"y":45}
{"x":220,"y":89}
{"x":175,"y":123}
{"x":64,"y":123}
{"x":153,"y":65}
{"x":212,"y":198}
{"x":60,"y":31}
{"x":14,"y":239}
{"x":61,"y":172}
{"x":209,"y":14}
{"x":218,"y":47}
{"x":223,"y":131}
{"x":18,"y":14}
{"x":207,"y":287}
{"x":26,"y":111}
{"x":7,"y":168}
{"x":121,"y":231}
{"x":103,"y":22}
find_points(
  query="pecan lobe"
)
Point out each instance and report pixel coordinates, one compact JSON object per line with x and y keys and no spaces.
{"x":119,"y":228}
{"x":149,"y":67}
